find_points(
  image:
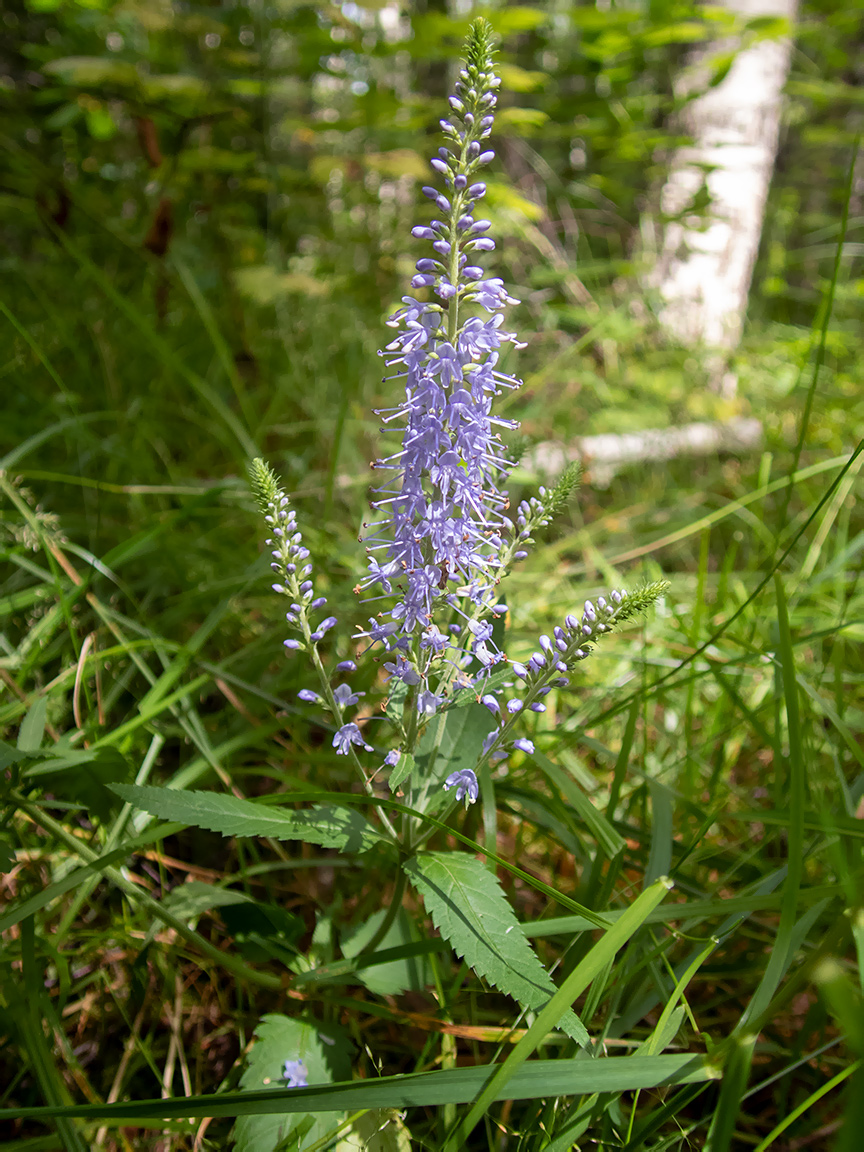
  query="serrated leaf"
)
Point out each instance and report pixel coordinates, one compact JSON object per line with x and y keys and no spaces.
{"x":470,"y":910}
{"x":326,"y":1054}
{"x":325,"y":825}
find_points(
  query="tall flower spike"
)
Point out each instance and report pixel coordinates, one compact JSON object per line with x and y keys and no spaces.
{"x":443,"y":521}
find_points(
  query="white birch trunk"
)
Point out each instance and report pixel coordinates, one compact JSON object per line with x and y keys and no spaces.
{"x":602,"y":456}
{"x":703,"y":277}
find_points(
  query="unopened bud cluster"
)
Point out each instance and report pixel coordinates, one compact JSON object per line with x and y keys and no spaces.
{"x":559,"y":654}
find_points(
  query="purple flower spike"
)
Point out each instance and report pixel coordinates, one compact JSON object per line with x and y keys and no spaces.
{"x":347,"y":735}
{"x":443,"y":527}
{"x":524,"y":745}
{"x":309,"y":696}
{"x":346,"y":666}
{"x":492,"y":704}
{"x":392,"y":758}
{"x":465,"y":783}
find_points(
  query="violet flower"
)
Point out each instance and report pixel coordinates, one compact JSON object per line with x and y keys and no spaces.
{"x":295,"y":1074}
{"x":443,"y":523}
{"x":465,"y":783}
{"x":347,"y":735}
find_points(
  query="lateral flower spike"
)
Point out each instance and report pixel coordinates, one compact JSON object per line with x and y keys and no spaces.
{"x":290,"y":559}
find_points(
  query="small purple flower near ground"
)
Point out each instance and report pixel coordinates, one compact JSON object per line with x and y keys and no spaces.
{"x":295,"y":1074}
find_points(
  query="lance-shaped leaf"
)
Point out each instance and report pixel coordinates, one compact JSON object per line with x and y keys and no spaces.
{"x":326,"y":825}
{"x":470,"y":910}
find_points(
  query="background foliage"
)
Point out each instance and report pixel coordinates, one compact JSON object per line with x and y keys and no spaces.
{"x":203,"y":214}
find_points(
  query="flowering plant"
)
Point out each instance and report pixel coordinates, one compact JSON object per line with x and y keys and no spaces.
{"x":443,"y":541}
{"x":453,"y":705}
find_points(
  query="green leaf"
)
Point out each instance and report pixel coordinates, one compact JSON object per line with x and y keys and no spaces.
{"x":10,"y":755}
{"x":470,"y":910}
{"x":396,"y":701}
{"x":326,"y":1054}
{"x":459,"y":734}
{"x":404,"y":767}
{"x":188,"y":901}
{"x":597,"y":962}
{"x":7,"y":856}
{"x":394,"y":978}
{"x":381,"y":1130}
{"x":262,"y":931}
{"x":33,"y":726}
{"x":534,"y":1080}
{"x":326,"y":825}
